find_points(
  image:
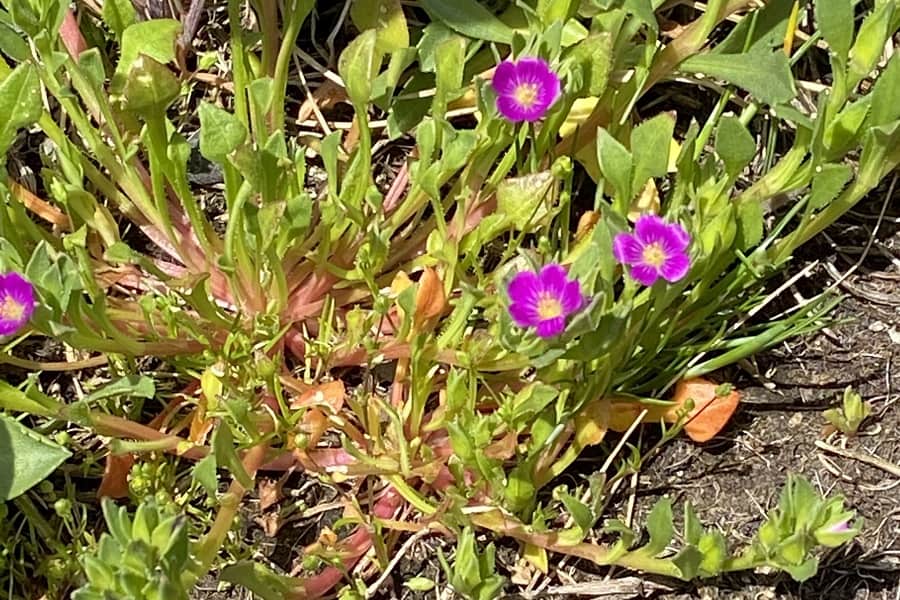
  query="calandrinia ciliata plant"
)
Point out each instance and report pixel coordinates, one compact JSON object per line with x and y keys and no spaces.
{"x":506,"y":364}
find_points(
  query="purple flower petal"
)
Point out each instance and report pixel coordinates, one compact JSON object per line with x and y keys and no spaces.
{"x":551,"y":327}
{"x":512,"y":110}
{"x":505,"y":78}
{"x":650,"y":229}
{"x":535,"y":73}
{"x":16,"y":302}
{"x":571,"y":298}
{"x":553,"y":280}
{"x":627,"y":249}
{"x":524,"y":314}
{"x":525,"y":287}
{"x":543,"y":300}
{"x":644,"y":274}
{"x":679,"y":238}
{"x":675,"y":267}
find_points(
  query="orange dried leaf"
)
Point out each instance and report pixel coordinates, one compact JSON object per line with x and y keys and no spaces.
{"x":329,"y":394}
{"x":314,"y":425}
{"x":430,"y":299}
{"x":592,"y":423}
{"x":586,"y":224}
{"x":115,"y":476}
{"x":711,"y":412}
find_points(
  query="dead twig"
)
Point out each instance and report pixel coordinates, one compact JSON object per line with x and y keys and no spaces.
{"x":874,"y":461}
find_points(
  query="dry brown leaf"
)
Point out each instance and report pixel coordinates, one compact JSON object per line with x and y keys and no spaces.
{"x":269,"y":491}
{"x":586,"y":223}
{"x":269,"y":522}
{"x":430,"y":299}
{"x":647,"y":202}
{"x":711,"y":412}
{"x":330,"y":394}
{"x":115,"y":476}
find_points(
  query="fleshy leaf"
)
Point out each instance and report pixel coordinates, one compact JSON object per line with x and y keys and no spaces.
{"x":26,"y":457}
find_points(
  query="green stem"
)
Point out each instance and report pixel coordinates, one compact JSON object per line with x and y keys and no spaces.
{"x":208,"y":547}
{"x":298,"y":14}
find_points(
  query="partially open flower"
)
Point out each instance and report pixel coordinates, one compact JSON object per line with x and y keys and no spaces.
{"x":16,"y":302}
{"x":839,"y":532}
{"x":655,"y":249}
{"x":526,"y":89}
{"x":544,"y":300}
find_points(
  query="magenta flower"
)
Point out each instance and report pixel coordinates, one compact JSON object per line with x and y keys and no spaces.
{"x":16,"y":302}
{"x":655,"y":249}
{"x":544,"y":300}
{"x":526,"y":89}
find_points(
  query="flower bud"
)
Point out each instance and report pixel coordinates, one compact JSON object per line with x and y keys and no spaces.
{"x":63,"y":507}
{"x":834,"y":534}
{"x":561,"y":167}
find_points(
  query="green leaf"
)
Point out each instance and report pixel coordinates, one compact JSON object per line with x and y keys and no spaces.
{"x":226,"y":455}
{"x":155,"y":39}
{"x":734,"y":145}
{"x":714,"y":550}
{"x":751,"y":221}
{"x":869,"y":45}
{"x":469,"y":18}
{"x":766,"y":75}
{"x":827,"y":183}
{"x":386,"y":18}
{"x":650,"y":143}
{"x":524,"y":200}
{"x":204,"y":473}
{"x":693,"y":530}
{"x":803,"y":571}
{"x":117,"y":521}
{"x":118,"y":15}
{"x":20,"y":104}
{"x":32,"y":400}
{"x":551,"y":11}
{"x":419,"y":584}
{"x":136,"y":386}
{"x":615,"y":164}
{"x":150,"y":86}
{"x":592,"y":62}
{"x":520,"y":488}
{"x":11,"y":42}
{"x":885,"y":109}
{"x":842,"y":133}
{"x":688,"y":562}
{"x":659,"y":526}
{"x":358,"y":66}
{"x":259,"y":579}
{"x":763,"y":29}
{"x":221,"y":132}
{"x":580,"y":512}
{"x":26,"y":457}
{"x":835,"y":21}
{"x":617,"y":527}
{"x":92,"y":62}
{"x":450,"y":60}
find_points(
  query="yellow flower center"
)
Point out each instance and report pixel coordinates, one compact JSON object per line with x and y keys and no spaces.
{"x":526,"y":94}
{"x":549,"y":307}
{"x":654,"y":255}
{"x":10,"y":310}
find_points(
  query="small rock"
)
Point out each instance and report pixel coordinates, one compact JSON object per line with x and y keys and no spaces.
{"x":877,"y":326}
